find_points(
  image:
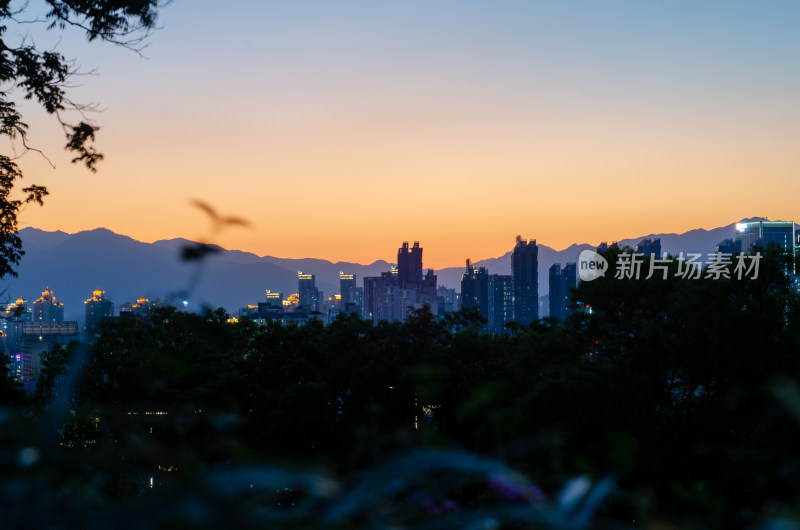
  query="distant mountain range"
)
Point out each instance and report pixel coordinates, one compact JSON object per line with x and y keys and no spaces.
{"x":73,"y":265}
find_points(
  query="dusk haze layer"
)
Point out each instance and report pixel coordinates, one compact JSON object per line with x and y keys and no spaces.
{"x":340,"y":129}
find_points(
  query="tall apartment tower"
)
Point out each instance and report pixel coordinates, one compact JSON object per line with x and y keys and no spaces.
{"x":39,"y":337}
{"x":501,"y":308}
{"x":525,"y":280}
{"x":98,"y":307}
{"x":409,"y":265}
{"x":47,"y":309}
{"x":763,"y":232}
{"x":309,"y":295}
{"x":347,"y":288}
{"x":475,"y":289}
{"x":274,"y":300}
{"x":13,"y":316}
{"x":570,"y":275}
{"x":351,"y":297}
{"x":393,"y":295}
{"x":556,"y":293}
{"x":562,"y":281}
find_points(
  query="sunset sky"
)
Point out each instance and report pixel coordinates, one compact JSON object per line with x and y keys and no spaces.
{"x":340,"y":129}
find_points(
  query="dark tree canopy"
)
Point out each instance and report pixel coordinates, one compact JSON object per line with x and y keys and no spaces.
{"x":43,"y":76}
{"x":684,"y":391}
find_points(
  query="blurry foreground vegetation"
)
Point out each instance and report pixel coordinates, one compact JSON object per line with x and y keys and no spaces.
{"x":663,"y":403}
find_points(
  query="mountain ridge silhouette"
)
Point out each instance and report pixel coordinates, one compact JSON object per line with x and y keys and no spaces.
{"x":73,"y":265}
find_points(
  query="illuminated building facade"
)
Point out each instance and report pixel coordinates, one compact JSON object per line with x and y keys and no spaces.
{"x":271,"y":309}
{"x":274,"y":299}
{"x":310,"y":296}
{"x":40,"y":337}
{"x":525,"y":280}
{"x":143,"y":308}
{"x":292,"y":301}
{"x":13,"y":317}
{"x":47,"y":308}
{"x":763,"y":232}
{"x":98,"y":307}
{"x":251,"y":311}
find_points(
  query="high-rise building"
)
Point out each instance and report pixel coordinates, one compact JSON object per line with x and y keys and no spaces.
{"x":544,"y":306}
{"x":449,"y":300}
{"x":428,"y":289}
{"x":371,"y":288}
{"x":763,"y":232}
{"x":310,"y":296}
{"x":570,"y":274}
{"x":525,"y":280}
{"x":349,"y":302}
{"x":98,"y":307}
{"x":47,"y":309}
{"x":358,"y":302}
{"x":380,"y":296}
{"x":12,"y":318}
{"x":649,"y":247}
{"x":556,"y":293}
{"x":475,"y":289}
{"x":501,"y":307}
{"x":409,"y":265}
{"x":394,"y":294}
{"x":274,"y":300}
{"x":272,"y":308}
{"x":562,"y":281}
{"x":39,"y":337}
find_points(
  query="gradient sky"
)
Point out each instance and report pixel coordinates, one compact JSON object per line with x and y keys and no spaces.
{"x":341,"y":129}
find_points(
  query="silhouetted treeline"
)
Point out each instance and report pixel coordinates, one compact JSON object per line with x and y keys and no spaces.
{"x":683,"y":390}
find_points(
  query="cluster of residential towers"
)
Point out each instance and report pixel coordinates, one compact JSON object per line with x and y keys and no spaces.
{"x":30,"y":329}
{"x":394,"y":294}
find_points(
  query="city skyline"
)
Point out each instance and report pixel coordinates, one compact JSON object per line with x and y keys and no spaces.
{"x":77,"y":264}
{"x":391,"y":295}
{"x":400,"y":263}
{"x":324,"y":125}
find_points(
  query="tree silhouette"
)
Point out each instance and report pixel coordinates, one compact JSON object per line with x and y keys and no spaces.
{"x":10,"y":390}
{"x":44,"y":76}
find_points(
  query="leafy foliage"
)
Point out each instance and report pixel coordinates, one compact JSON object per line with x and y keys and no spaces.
{"x":43,"y":77}
{"x":10,"y":390}
{"x":684,"y":391}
